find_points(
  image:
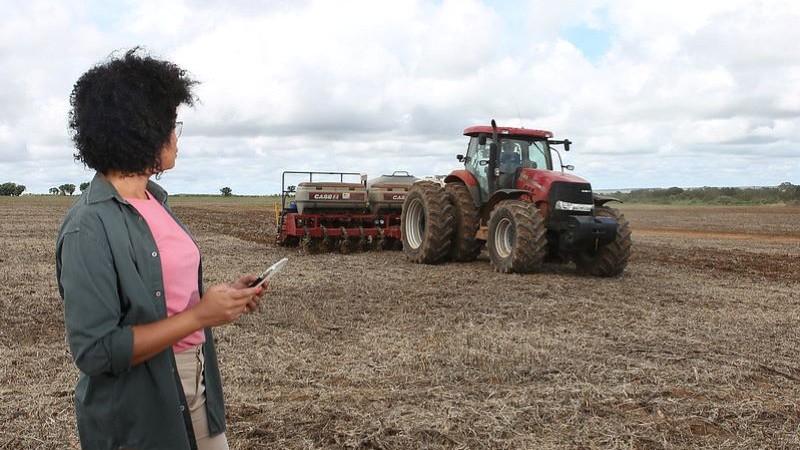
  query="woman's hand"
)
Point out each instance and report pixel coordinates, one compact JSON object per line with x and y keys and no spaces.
{"x":223,"y":303}
{"x":255,"y":300}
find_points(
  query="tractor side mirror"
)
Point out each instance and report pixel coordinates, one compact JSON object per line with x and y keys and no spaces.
{"x":566,"y":143}
{"x":460,"y":158}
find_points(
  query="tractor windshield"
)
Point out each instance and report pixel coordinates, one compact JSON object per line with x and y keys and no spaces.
{"x":516,"y":154}
{"x":522,"y":153}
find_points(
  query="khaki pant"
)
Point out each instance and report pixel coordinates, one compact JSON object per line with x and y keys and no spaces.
{"x":190,"y":368}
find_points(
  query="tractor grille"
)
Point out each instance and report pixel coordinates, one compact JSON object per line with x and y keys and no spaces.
{"x":571,"y":192}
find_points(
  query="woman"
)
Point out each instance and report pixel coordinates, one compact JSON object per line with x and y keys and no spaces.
{"x":137,"y":319}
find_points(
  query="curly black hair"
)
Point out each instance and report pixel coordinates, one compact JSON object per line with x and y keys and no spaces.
{"x":124,"y":111}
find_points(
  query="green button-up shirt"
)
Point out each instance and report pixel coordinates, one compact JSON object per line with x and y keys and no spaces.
{"x":109,"y":276}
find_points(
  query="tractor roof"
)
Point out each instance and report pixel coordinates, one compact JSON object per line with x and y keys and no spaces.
{"x":508,"y":131}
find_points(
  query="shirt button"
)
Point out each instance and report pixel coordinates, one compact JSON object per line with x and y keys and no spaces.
{"x":182,"y":408}
{"x":154,"y":254}
{"x":158,"y":293}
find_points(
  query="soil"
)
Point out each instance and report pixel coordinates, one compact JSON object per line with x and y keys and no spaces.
{"x":693,"y":346}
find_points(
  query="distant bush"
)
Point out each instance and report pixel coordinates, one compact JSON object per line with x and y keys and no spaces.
{"x":67,"y":189}
{"x":725,"y":200}
{"x":11,"y":189}
{"x":789,"y":192}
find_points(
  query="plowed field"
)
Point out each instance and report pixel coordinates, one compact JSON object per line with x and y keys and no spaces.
{"x":694,"y":346}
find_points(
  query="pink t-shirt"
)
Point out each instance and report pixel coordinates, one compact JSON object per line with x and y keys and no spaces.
{"x":180,"y":262}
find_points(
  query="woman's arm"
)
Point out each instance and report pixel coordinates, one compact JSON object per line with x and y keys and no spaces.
{"x":88,"y":284}
{"x":219,"y":305}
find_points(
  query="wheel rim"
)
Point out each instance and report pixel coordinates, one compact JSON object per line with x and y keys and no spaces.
{"x":415,"y":223}
{"x":504,"y":235}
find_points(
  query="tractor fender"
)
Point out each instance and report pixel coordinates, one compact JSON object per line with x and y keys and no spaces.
{"x":504,"y":194}
{"x":600,"y":200}
{"x":463,"y":176}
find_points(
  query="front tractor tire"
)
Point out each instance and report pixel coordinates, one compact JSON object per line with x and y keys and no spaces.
{"x":426,"y":223}
{"x":609,"y":260}
{"x":466,"y":246}
{"x":517,"y":237}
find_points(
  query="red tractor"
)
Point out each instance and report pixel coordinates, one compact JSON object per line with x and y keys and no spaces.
{"x":510,"y":198}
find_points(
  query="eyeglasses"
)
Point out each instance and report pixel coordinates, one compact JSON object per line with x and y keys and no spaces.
{"x":178,"y":129}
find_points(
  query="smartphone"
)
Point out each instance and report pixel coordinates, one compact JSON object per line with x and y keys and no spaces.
{"x":271,"y":270}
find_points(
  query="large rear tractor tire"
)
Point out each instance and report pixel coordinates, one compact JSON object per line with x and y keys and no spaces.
{"x":465,"y":246}
{"x":609,"y":260}
{"x":427,"y":223}
{"x":516,"y":241}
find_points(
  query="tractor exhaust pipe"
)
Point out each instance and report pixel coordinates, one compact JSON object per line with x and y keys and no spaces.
{"x":494,"y":157}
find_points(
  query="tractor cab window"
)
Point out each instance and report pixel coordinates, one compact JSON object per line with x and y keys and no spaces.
{"x":477,"y":163}
{"x":510,"y":161}
{"x":516,"y":153}
{"x":511,"y":154}
{"x":534,"y":154}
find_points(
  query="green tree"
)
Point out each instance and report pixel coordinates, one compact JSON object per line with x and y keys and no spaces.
{"x":67,"y":189}
{"x":226,"y":191}
{"x":7,"y":189}
{"x":788,"y":192}
{"x":84,"y":186}
{"x":674,"y":191}
{"x":12,"y":189}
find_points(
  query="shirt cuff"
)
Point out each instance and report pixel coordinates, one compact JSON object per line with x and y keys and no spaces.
{"x":121,"y":350}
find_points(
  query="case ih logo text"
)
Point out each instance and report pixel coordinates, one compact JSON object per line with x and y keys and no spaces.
{"x":397,"y":197}
{"x":326,"y":196}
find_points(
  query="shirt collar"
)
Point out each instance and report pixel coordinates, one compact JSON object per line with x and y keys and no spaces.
{"x":101,"y":189}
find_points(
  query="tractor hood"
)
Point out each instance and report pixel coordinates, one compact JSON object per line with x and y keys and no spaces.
{"x":545,"y":178}
{"x":543,"y":183}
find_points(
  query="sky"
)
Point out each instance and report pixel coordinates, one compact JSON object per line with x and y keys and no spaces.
{"x":651,"y":93}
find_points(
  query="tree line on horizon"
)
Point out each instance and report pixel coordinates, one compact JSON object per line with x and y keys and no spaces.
{"x":15,"y":190}
{"x":786,"y":192}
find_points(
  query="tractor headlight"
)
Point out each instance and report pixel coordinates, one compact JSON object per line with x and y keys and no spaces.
{"x":568,"y":206}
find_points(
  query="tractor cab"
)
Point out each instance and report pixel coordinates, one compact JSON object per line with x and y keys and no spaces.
{"x":515,"y":149}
